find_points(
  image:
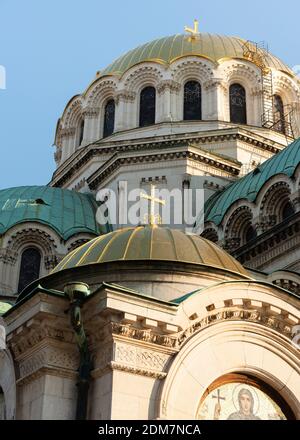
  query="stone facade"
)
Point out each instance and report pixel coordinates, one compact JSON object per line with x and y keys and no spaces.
{"x":146,"y":352}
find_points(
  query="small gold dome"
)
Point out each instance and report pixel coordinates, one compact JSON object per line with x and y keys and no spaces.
{"x":150,"y":243}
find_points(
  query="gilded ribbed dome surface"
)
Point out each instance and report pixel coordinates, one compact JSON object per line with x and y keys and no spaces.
{"x":168,"y":49}
{"x":150,"y":243}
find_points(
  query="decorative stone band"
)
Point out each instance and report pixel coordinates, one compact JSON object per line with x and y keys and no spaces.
{"x":144,"y":351}
{"x":168,"y":85}
{"x":271,"y":318}
{"x":125,"y":96}
{"x":108,"y":168}
{"x":67,"y":132}
{"x":91,"y":112}
{"x":83,"y":156}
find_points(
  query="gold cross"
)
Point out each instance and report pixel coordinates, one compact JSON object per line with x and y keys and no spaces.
{"x":153,"y":218}
{"x":194,"y":32}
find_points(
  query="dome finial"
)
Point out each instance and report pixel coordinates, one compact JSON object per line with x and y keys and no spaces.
{"x":193,"y":31}
{"x":152,"y":218}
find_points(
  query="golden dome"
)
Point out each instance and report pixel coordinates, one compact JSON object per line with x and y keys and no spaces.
{"x":168,"y":49}
{"x":153,"y":243}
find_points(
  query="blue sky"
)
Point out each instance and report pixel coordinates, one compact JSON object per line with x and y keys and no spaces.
{"x":51,"y":51}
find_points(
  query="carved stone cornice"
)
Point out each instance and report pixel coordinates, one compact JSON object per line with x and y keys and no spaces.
{"x":91,"y":112}
{"x":67,"y":132}
{"x":51,"y":261}
{"x":173,"y":86}
{"x":144,"y":335}
{"x":265,"y":315}
{"x":212,"y":84}
{"x":125,"y":96}
{"x":139,"y":371}
{"x":71,"y":166}
{"x":26,"y":338}
{"x":8,"y":256}
{"x":108,"y":168}
{"x":58,"y":155}
{"x":270,"y":244}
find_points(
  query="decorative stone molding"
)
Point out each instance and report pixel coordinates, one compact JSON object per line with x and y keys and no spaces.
{"x":51,"y":261}
{"x":143,"y":75}
{"x":67,"y":132}
{"x":31,"y":337}
{"x":91,"y":112}
{"x":140,"y":371}
{"x":144,"y":335}
{"x":168,"y":85}
{"x":192,"y":69}
{"x":77,"y":243}
{"x":239,"y":70}
{"x":125,"y":96}
{"x":72,"y":113}
{"x":80,"y":159}
{"x":289,"y":285}
{"x":100,"y":91}
{"x":250,"y":311}
{"x":58,"y":155}
{"x":116,"y":162}
{"x":273,"y":243}
{"x":8,"y":256}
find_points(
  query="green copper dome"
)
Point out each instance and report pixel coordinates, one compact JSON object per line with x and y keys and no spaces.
{"x":150,"y":243}
{"x":67,"y":212}
{"x":249,"y":186}
{"x":168,"y":49}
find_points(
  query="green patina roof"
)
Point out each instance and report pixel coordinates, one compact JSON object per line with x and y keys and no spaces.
{"x":249,"y":186}
{"x":67,"y":212}
{"x":168,"y":49}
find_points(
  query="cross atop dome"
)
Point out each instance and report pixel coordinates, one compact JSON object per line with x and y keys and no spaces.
{"x":193,"y":31}
{"x":152,"y":218}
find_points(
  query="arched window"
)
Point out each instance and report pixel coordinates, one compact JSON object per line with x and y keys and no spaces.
{"x":192,"y":101}
{"x":109,"y":118}
{"x":288,"y":210}
{"x":30,"y":267}
{"x":238,"y":108}
{"x":81,"y":131}
{"x":279,"y":114}
{"x":147,"y":106}
{"x":251,"y":233}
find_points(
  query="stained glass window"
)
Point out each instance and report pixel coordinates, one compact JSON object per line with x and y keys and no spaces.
{"x":192,"y":101}
{"x":109,"y":118}
{"x":279,"y":114}
{"x":147,"y":106}
{"x":30,"y":267}
{"x":238,"y":109}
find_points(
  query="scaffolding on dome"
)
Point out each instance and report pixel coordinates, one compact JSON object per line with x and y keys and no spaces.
{"x":273,"y":119}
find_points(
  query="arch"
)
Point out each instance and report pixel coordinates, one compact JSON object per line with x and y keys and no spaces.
{"x":109,"y":118}
{"x":238,"y":104}
{"x":210,"y":234}
{"x":30,"y":267}
{"x":192,"y":105}
{"x":232,"y":328}
{"x":147,"y":106}
{"x":239,"y":229}
{"x":276,"y":205}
